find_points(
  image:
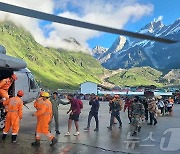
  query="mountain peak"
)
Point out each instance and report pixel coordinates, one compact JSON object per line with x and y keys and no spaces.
{"x":97,"y":51}
{"x":153,"y":26}
{"x":138,"y":52}
{"x":118,"y":43}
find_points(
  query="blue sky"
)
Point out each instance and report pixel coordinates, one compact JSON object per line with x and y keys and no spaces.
{"x":169,"y":9}
{"x":122,"y":14}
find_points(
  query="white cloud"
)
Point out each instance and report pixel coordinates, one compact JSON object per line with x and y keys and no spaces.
{"x":112,"y":14}
{"x":32,"y":25}
{"x":160,"y":18}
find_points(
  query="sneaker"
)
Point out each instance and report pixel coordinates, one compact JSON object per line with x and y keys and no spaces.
{"x":54,"y":141}
{"x":15,"y":142}
{"x":96,"y":129}
{"x":120,"y":126}
{"x":86,"y":129}
{"x":58,"y":132}
{"x":76,"y":134}
{"x":110,"y":128}
{"x":149,"y":123}
{"x":67,"y":134}
{"x":155,"y":123}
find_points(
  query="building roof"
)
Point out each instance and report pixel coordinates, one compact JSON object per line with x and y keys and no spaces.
{"x":88,"y":81}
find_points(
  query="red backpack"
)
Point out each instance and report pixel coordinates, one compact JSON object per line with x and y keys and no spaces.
{"x":80,"y":104}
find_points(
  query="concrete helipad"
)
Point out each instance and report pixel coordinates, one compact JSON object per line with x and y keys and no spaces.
{"x":160,"y":139}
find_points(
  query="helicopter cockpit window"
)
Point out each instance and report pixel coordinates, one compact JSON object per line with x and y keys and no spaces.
{"x":32,"y":82}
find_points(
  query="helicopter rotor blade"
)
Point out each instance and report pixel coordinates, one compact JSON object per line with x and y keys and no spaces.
{"x":62,"y":20}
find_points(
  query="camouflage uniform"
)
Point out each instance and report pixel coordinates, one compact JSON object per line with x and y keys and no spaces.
{"x":137,"y":112}
{"x":152,"y":107}
{"x":115,"y":107}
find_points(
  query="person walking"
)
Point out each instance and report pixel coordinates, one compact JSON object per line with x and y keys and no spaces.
{"x":38,"y":105}
{"x":94,"y":102}
{"x":127,"y":105}
{"x":55,"y":103}
{"x":115,"y":108}
{"x":136,"y":114}
{"x":14,"y":116}
{"x":44,"y":115}
{"x":145,"y":103}
{"x":161,"y":105}
{"x":74,"y":111}
{"x":152,"y":107}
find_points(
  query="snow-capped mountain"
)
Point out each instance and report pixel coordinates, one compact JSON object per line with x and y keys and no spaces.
{"x":115,"y":48}
{"x":137,"y":52}
{"x":98,"y":51}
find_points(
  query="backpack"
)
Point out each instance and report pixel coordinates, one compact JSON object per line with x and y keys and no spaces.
{"x":80,"y":104}
{"x":120,"y":102}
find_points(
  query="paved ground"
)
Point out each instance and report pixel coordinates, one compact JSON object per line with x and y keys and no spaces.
{"x":163,"y":138}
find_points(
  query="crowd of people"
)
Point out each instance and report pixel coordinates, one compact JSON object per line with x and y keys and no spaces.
{"x":138,"y":109}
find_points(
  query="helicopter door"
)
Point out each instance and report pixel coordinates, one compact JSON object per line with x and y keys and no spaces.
{"x":33,"y":87}
{"x":27,"y":83}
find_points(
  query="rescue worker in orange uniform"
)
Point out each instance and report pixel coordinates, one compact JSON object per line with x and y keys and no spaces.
{"x":39,"y":100}
{"x":38,"y":105}
{"x":44,"y":116}
{"x":14,"y":115}
{"x":4,"y":86}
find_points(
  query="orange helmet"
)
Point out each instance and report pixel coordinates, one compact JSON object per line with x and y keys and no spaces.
{"x":14,"y":77}
{"x":20,"y":93}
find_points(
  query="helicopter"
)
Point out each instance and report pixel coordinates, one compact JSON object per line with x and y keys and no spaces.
{"x":25,"y":80}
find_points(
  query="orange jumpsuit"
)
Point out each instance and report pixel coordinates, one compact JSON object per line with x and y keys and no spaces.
{"x":44,"y":116}
{"x":38,"y":104}
{"x":15,"y":106}
{"x":4,"y":87}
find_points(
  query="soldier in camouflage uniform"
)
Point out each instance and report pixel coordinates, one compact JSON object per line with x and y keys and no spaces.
{"x":136,"y":113}
{"x":115,"y":108}
{"x":152,"y":108}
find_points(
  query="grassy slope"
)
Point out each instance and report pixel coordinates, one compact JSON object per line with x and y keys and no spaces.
{"x":137,"y":76}
{"x":53,"y":69}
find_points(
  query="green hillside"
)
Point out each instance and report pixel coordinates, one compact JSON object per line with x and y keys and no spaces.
{"x":137,"y":76}
{"x":52,"y":68}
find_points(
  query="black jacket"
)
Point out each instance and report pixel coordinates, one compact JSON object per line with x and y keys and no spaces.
{"x":114,"y":107}
{"x":94,"y":105}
